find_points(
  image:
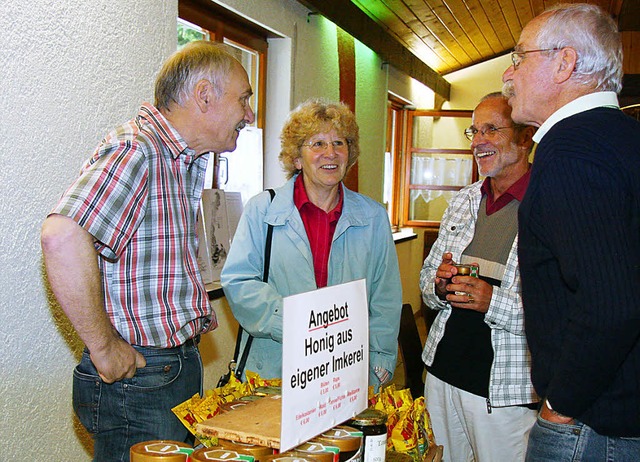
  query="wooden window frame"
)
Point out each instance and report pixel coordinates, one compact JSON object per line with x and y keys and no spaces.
{"x":395,"y":145}
{"x":407,"y":186}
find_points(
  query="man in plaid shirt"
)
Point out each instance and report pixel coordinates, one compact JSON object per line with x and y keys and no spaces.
{"x":120,"y":252}
{"x":478,"y":390}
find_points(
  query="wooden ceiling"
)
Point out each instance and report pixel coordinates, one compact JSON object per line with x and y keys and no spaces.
{"x":442,"y":36}
{"x":449,"y":35}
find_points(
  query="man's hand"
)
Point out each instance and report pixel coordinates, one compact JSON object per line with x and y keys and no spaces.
{"x":444,"y":274}
{"x":476,"y":293}
{"x":552,"y":416}
{"x":117,"y":360}
{"x":71,"y":261}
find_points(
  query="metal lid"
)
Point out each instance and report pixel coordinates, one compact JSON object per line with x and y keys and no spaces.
{"x":159,"y":451}
{"x":214,"y":453}
{"x":288,"y":457}
{"x":245,"y":448}
{"x":268,"y":391}
{"x":315,"y":450}
{"x":369,"y":417}
{"x":344,"y":437}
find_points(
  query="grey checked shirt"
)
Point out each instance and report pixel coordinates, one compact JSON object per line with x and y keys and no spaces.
{"x":510,"y":381}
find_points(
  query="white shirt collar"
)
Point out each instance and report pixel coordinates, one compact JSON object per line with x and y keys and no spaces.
{"x":584,"y":103}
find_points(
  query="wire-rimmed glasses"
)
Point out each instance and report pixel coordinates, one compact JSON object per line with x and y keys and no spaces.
{"x":518,"y":56}
{"x":489,"y":131}
{"x":322,"y":145}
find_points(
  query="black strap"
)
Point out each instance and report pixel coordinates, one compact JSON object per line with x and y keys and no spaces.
{"x":265,"y":277}
{"x":267,"y":245}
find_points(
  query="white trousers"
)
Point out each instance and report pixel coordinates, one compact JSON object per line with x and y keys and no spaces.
{"x":461,"y":424}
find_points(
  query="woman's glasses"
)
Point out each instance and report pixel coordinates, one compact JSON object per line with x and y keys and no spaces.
{"x":322,"y":145}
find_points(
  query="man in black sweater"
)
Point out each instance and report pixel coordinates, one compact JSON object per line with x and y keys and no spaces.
{"x":579,"y":236}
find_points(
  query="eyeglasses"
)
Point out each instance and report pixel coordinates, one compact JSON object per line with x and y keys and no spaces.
{"x":322,"y":145}
{"x":488,"y":132}
{"x":518,"y":56}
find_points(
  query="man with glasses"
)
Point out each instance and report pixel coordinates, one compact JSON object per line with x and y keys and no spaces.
{"x":579,"y":234}
{"x":478,"y":388}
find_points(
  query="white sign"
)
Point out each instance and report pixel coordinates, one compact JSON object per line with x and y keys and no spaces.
{"x":325,"y":360}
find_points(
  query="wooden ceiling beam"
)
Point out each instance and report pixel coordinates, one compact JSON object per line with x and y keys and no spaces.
{"x":352,"y":20}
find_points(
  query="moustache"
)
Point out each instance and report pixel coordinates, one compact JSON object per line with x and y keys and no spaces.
{"x":508,"y":91}
{"x":241,"y":125}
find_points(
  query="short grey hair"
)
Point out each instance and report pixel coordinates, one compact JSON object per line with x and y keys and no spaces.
{"x":196,"y":61}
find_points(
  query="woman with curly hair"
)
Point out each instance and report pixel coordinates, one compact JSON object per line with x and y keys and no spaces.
{"x":323,"y":235}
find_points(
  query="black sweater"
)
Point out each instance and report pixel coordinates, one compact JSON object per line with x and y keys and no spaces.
{"x":579,"y":254}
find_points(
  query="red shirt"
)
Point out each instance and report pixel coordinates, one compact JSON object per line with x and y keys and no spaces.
{"x":515,"y":191}
{"x":320,"y":227}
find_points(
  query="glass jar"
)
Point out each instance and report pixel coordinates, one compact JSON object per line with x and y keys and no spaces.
{"x":372,"y":424}
{"x":318,"y":451}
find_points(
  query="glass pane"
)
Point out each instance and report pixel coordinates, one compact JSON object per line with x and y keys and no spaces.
{"x":188,"y":32}
{"x":441,"y":169}
{"x":428,"y":205}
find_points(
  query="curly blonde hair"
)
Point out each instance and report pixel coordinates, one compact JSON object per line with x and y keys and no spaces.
{"x":310,"y":118}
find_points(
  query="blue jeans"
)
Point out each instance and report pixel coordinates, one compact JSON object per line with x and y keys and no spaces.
{"x":130,"y":411}
{"x":577,"y":442}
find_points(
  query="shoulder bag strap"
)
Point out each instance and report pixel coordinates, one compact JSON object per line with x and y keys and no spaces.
{"x":265,"y":277}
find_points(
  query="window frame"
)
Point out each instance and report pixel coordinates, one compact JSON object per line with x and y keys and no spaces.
{"x":222,"y":24}
{"x":410,"y":150}
{"x":395,"y":139}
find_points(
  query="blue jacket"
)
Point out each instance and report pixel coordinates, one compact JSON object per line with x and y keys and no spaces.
{"x":362,"y":247}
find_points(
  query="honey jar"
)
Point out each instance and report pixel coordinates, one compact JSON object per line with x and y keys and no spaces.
{"x":347,"y":439}
{"x":372,"y":423}
{"x":160,"y":451}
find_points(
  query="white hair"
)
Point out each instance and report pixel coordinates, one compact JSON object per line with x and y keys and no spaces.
{"x":594,"y":35}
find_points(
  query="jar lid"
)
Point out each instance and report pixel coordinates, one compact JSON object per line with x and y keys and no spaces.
{"x":214,"y":453}
{"x":344,"y":437}
{"x":159,"y":451}
{"x":316,"y":450}
{"x":250,"y":398}
{"x":245,"y":448}
{"x":288,"y":457}
{"x":369,"y":417}
{"x":268,"y":390}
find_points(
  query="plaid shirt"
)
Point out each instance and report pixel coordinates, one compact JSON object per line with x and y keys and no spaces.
{"x":510,"y":382}
{"x":138,"y":195}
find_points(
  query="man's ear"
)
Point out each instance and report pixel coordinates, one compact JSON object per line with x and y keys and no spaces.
{"x":526,"y":137}
{"x":567,"y":60}
{"x":203,"y":94}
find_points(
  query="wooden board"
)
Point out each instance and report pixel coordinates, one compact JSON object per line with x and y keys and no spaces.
{"x":256,"y":423}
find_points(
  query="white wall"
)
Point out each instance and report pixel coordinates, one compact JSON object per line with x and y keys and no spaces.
{"x":469,"y":85}
{"x":69,"y":71}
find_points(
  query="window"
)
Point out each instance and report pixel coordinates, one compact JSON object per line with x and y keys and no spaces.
{"x":396,"y":117}
{"x":243,"y":170}
{"x":437,"y":163}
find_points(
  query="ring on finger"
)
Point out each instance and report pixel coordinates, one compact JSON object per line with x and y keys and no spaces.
{"x":469,"y":298}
